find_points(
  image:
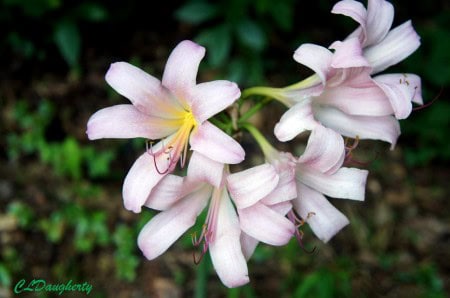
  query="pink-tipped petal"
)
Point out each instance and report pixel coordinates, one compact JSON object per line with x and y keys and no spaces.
{"x":248,"y":245}
{"x":143,"y":177}
{"x":354,"y":10}
{"x":295,"y":121}
{"x":143,"y":90}
{"x":225,"y":248}
{"x":181,"y":68}
{"x":166,"y":193}
{"x":213,"y":97}
{"x":266,"y":225}
{"x":166,"y":227}
{"x":365,"y":99}
{"x":399,"y":92}
{"x":203,"y":169}
{"x":346,"y":183}
{"x":325,"y":150}
{"x":282,"y":208}
{"x":284,"y":191}
{"x":400,"y":42}
{"x":380,"y":14}
{"x":401,"y":89}
{"x":323,"y":218}
{"x":125,"y":121}
{"x":348,"y":54}
{"x":385,"y":128}
{"x":249,"y":186}
{"x":316,"y":58}
{"x":216,"y":145}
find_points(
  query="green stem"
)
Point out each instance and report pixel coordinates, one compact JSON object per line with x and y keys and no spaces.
{"x":253,"y":110}
{"x":264,"y":91}
{"x":201,"y":277}
{"x":265,"y":146}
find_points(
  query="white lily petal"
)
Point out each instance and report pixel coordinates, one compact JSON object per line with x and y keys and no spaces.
{"x":181,"y":68}
{"x":249,"y":186}
{"x":143,"y":177}
{"x":365,"y":99}
{"x":316,"y":58}
{"x":346,"y":183}
{"x":266,"y":225}
{"x":402,"y":88}
{"x":400,"y":42}
{"x":143,"y":90}
{"x":399,"y":95}
{"x":295,"y":121}
{"x":385,"y":128}
{"x":166,"y":227}
{"x":166,"y":193}
{"x":284,"y":191}
{"x":248,"y":245}
{"x":325,"y":151}
{"x":213,"y":97}
{"x":380,"y":14}
{"x":352,"y":9}
{"x":225,"y":249}
{"x":323,"y":218}
{"x":348,"y":53}
{"x":203,"y":169}
{"x":216,"y":145}
{"x":125,"y":121}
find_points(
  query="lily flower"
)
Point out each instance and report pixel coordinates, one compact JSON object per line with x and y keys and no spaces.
{"x":319,"y":172}
{"x":266,"y":193}
{"x":345,"y":97}
{"x":383,"y":46}
{"x":181,"y":201}
{"x":342,"y":95}
{"x":174,"y":111}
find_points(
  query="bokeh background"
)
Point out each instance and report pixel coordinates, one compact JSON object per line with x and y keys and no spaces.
{"x":61,"y":212}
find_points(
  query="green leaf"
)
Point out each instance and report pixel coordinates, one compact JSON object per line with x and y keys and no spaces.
{"x":196,"y":12}
{"x":218,"y":42}
{"x":5,"y":276}
{"x":93,"y":12}
{"x":71,"y":153}
{"x":283,"y":14}
{"x":251,"y":35}
{"x":68,"y":40}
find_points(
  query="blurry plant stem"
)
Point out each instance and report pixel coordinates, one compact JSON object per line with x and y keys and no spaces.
{"x":201,"y":278}
{"x":280,"y":93}
{"x":265,"y":146}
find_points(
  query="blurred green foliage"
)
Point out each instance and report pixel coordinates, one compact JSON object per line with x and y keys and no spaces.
{"x":236,"y":33}
{"x":59,"y":20}
{"x":66,"y":157}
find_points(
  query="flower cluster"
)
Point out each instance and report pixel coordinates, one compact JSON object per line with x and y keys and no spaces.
{"x":344,"y":98}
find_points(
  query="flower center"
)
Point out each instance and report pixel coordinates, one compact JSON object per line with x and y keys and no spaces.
{"x":174,"y":147}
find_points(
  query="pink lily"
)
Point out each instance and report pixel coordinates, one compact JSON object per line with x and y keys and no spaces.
{"x":383,"y":47}
{"x":262,"y":194}
{"x":319,"y":172}
{"x":259,"y":194}
{"x":181,"y":203}
{"x":345,"y":97}
{"x":174,"y":110}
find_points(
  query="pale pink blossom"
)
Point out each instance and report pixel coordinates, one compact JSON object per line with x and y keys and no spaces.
{"x":345,"y":97}
{"x":181,"y":201}
{"x":342,"y":94}
{"x":319,"y":173}
{"x":265,"y":193}
{"x":174,"y":111}
{"x":383,"y":46}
